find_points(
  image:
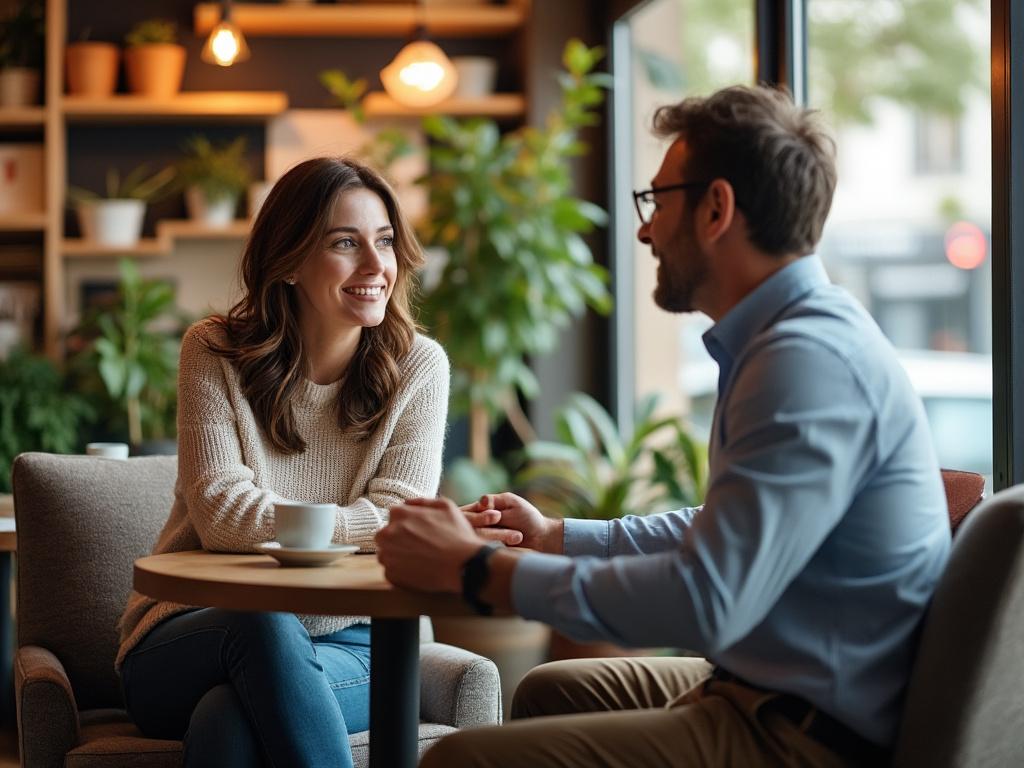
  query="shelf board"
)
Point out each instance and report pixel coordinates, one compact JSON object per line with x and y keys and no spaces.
{"x":167,"y":231}
{"x":23,"y":222}
{"x":18,"y":117}
{"x":498,"y":105}
{"x":234,"y":106}
{"x":364,"y":19}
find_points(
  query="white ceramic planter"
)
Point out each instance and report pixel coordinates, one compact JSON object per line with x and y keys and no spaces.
{"x":19,"y":87}
{"x":213,"y":213}
{"x":112,"y":222}
{"x":477,"y":75}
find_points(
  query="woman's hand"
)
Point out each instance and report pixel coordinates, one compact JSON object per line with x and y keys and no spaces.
{"x":497,"y":514}
{"x":426,"y":543}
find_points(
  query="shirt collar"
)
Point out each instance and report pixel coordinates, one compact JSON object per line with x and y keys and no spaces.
{"x":755,"y":311}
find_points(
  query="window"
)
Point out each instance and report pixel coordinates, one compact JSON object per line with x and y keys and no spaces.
{"x":906,"y":90}
{"x":672,"y":49}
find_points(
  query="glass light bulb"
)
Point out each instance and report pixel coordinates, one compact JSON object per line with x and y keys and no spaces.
{"x":225,"y":46}
{"x":420,"y":75}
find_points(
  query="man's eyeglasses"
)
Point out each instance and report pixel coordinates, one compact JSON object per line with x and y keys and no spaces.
{"x":645,"y":203}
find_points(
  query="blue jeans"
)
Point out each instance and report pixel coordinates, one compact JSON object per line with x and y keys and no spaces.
{"x":250,"y":689}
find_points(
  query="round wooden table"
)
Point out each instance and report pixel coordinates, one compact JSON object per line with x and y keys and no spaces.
{"x":353,"y":586}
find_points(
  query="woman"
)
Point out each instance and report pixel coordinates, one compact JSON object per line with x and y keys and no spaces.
{"x":314,"y":387}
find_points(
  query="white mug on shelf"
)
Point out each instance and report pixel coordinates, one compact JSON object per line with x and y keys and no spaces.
{"x":108,"y":450}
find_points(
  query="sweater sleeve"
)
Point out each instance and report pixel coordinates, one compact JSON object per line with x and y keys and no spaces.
{"x":411,"y":462}
{"x":229,"y":512}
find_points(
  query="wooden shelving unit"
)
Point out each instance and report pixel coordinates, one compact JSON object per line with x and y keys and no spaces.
{"x":230,"y":105}
{"x":365,"y":19}
{"x":60,"y":112}
{"x":23,"y":222}
{"x":167,"y":231}
{"x":21,"y":117}
{"x":499,"y":105}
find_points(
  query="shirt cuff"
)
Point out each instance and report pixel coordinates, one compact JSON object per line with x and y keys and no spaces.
{"x":586,"y":537}
{"x":532,"y":579}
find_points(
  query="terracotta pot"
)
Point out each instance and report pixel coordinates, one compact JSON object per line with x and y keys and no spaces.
{"x":155,"y":69}
{"x":19,"y":87}
{"x":92,"y":69}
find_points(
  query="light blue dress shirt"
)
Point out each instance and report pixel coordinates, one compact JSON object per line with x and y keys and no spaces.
{"x":823,"y":532}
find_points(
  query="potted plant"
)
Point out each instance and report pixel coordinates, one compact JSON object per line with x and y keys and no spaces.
{"x":517,"y":270}
{"x":131,"y":346}
{"x":21,"y":54}
{"x":502,"y":206}
{"x":154,"y":62}
{"x":214,"y":178}
{"x":595,"y":471}
{"x":37,"y":412}
{"x":116,"y":220}
{"x":92,"y":67}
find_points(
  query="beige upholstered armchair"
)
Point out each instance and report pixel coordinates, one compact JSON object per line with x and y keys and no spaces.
{"x":82,"y":521}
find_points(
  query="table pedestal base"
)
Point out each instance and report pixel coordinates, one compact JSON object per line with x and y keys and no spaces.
{"x":394,"y":692}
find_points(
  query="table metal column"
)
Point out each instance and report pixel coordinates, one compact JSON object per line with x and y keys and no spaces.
{"x":394,"y":692}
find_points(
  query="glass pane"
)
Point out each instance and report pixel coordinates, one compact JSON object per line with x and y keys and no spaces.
{"x":905,"y":87}
{"x":678,"y":48}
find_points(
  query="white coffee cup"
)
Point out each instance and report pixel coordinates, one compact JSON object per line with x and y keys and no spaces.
{"x":304,"y":526}
{"x":107,"y":450}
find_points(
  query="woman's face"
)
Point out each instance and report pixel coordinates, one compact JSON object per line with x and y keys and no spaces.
{"x":349,"y":280}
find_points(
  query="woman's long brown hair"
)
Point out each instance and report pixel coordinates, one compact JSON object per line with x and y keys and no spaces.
{"x":263,"y":339}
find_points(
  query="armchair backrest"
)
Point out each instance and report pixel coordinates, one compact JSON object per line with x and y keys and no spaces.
{"x":82,"y":521}
{"x":964,"y":705}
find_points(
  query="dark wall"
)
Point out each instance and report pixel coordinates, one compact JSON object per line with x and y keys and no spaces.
{"x":581,"y":363}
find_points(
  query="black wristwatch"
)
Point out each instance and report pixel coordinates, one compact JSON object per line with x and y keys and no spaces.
{"x":474,"y":577}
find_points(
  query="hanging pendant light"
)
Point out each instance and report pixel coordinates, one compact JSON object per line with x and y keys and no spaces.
{"x":226,"y":44}
{"x":420,"y":75}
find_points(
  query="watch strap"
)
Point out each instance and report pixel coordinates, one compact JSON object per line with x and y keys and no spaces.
{"x":475,"y":572}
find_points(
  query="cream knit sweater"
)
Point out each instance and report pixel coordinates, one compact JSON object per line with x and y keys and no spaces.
{"x":229,"y":476}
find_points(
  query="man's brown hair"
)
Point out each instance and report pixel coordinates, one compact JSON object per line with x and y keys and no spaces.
{"x":778,"y":158}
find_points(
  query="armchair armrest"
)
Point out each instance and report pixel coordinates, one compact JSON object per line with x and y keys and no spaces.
{"x":47,"y":712}
{"x":457,"y":687}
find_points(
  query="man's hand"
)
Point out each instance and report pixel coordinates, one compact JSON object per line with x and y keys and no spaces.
{"x":426,"y":543}
{"x":496,"y":514}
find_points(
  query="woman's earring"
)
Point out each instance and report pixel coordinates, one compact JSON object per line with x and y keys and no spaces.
{"x":290,"y":280}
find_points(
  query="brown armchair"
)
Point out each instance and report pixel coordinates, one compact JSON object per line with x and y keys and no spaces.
{"x":82,"y":521}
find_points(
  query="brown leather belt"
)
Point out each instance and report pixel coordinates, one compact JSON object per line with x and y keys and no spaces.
{"x":823,"y":728}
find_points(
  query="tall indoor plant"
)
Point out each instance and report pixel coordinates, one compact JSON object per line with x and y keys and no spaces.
{"x":518,"y":267}
{"x":132,"y":345}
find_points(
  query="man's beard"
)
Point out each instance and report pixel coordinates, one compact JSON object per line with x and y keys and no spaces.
{"x":675,"y":288}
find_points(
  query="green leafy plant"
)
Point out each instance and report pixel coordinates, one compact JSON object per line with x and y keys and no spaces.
{"x":138,"y":184}
{"x":152,"y":31}
{"x":133,"y":346}
{"x":345,"y":92}
{"x":387,"y":144}
{"x":221,"y":172}
{"x":594,"y":471}
{"x":518,"y":267}
{"x":21,"y":36}
{"x":37,"y":413}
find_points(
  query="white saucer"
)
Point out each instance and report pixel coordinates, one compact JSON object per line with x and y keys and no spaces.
{"x":297,"y":556}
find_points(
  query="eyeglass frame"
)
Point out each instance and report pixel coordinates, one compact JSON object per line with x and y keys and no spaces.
{"x":637,"y":196}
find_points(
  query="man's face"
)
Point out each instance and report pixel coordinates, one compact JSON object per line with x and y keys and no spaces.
{"x":682,"y":266}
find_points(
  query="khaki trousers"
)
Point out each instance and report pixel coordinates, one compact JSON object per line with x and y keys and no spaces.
{"x":634,"y":713}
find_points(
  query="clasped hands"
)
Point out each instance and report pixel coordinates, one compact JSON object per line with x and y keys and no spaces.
{"x":427,"y":541}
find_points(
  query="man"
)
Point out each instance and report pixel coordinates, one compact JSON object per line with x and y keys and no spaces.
{"x":806,"y":572}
